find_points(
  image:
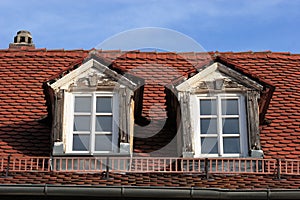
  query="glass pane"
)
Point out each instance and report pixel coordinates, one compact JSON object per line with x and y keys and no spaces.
{"x":82,"y":104}
{"x":103,"y":143}
{"x":208,"y":107}
{"x":104,"y":123}
{"x":81,"y":142}
{"x":208,"y":126}
{"x":230,"y":107}
{"x":209,"y":145}
{"x":231,"y":126}
{"x":81,"y":123}
{"x":231,"y":144}
{"x":104,"y":104}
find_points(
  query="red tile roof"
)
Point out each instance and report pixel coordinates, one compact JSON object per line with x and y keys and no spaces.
{"x":158,"y":70}
{"x":24,"y":132}
{"x":255,"y":182}
{"x":281,"y":138}
{"x":22,"y":104}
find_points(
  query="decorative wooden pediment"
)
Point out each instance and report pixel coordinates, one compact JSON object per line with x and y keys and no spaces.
{"x":91,"y":74}
{"x":93,"y":78}
{"x":218,"y":77}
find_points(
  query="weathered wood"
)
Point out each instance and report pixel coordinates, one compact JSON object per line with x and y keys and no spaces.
{"x":113,"y":74}
{"x":253,"y":119}
{"x":239,"y":77}
{"x":264,"y":102}
{"x":125,"y":99}
{"x":131,"y":125}
{"x":184,"y":99}
{"x":58,"y":106}
{"x":128,"y":99}
{"x":178,"y":125}
{"x":89,"y":71}
{"x":122,"y":114}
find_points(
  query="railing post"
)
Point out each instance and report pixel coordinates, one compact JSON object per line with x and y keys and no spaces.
{"x":7,"y":167}
{"x":107,"y":167}
{"x":278,"y":166}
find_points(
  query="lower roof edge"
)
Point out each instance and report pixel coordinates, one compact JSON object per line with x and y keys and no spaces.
{"x":146,"y":192}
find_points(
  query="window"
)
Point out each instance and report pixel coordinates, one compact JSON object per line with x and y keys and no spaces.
{"x":221,"y":125}
{"x":93,"y":123}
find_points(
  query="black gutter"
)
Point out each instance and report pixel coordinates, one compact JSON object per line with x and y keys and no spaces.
{"x":145,"y":192}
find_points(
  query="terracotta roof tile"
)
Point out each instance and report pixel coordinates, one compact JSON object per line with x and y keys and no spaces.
{"x":256,"y":182}
{"x":278,"y":69}
{"x":22,"y":103}
{"x":22,"y":108}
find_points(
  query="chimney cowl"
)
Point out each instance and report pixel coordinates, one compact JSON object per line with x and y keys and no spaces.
{"x":21,"y":40}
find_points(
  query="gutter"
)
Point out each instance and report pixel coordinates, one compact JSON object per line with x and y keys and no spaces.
{"x":145,"y":192}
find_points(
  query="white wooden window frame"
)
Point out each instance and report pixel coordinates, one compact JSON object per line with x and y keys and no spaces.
{"x":242,"y":124}
{"x":69,"y":120}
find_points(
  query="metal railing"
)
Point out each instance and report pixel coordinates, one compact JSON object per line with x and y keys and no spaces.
{"x":151,"y":165}
{"x":25,"y":164}
{"x":289,"y":166}
{"x":90,"y":164}
{"x":30,"y":164}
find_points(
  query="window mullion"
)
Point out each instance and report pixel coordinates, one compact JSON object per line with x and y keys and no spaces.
{"x":241,"y":125}
{"x":93,"y":122}
{"x":112,"y":124}
{"x":70,"y":128}
{"x":219,"y":124}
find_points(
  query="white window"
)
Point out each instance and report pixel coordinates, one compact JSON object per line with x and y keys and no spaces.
{"x":93,"y":124}
{"x":220,"y":125}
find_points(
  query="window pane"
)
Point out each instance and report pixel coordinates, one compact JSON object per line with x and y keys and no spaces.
{"x":81,"y":123}
{"x":209,"y":145}
{"x":208,"y":107}
{"x":231,"y":144}
{"x":81,"y":142}
{"x":231,"y":126}
{"x":82,"y":104}
{"x":104,"y":123}
{"x":208,"y":126}
{"x":103,"y":143}
{"x":230,"y":107}
{"x":104,"y":104}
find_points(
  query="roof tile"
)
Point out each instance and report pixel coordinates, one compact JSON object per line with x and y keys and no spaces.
{"x":22,"y":107}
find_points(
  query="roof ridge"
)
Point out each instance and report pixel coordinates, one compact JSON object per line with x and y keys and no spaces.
{"x":266,"y":52}
{"x":257,"y":52}
{"x":66,"y":50}
{"x":43,"y":50}
{"x":22,"y":50}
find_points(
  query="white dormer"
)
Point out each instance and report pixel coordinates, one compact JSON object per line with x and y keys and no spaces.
{"x":219,"y":113}
{"x":92,"y":111}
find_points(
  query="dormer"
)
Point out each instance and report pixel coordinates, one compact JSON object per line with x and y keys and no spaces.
{"x":92,"y":110}
{"x":220,"y":112}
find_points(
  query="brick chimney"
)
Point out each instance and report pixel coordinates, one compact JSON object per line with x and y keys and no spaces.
{"x":23,"y":40}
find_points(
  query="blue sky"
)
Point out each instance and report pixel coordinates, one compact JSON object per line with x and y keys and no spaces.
{"x":231,"y":25}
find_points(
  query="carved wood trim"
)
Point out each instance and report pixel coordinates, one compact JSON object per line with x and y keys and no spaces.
{"x":239,"y":77}
{"x":57,"y":105}
{"x":253,"y":119}
{"x":122,"y":115}
{"x":184,"y":98}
